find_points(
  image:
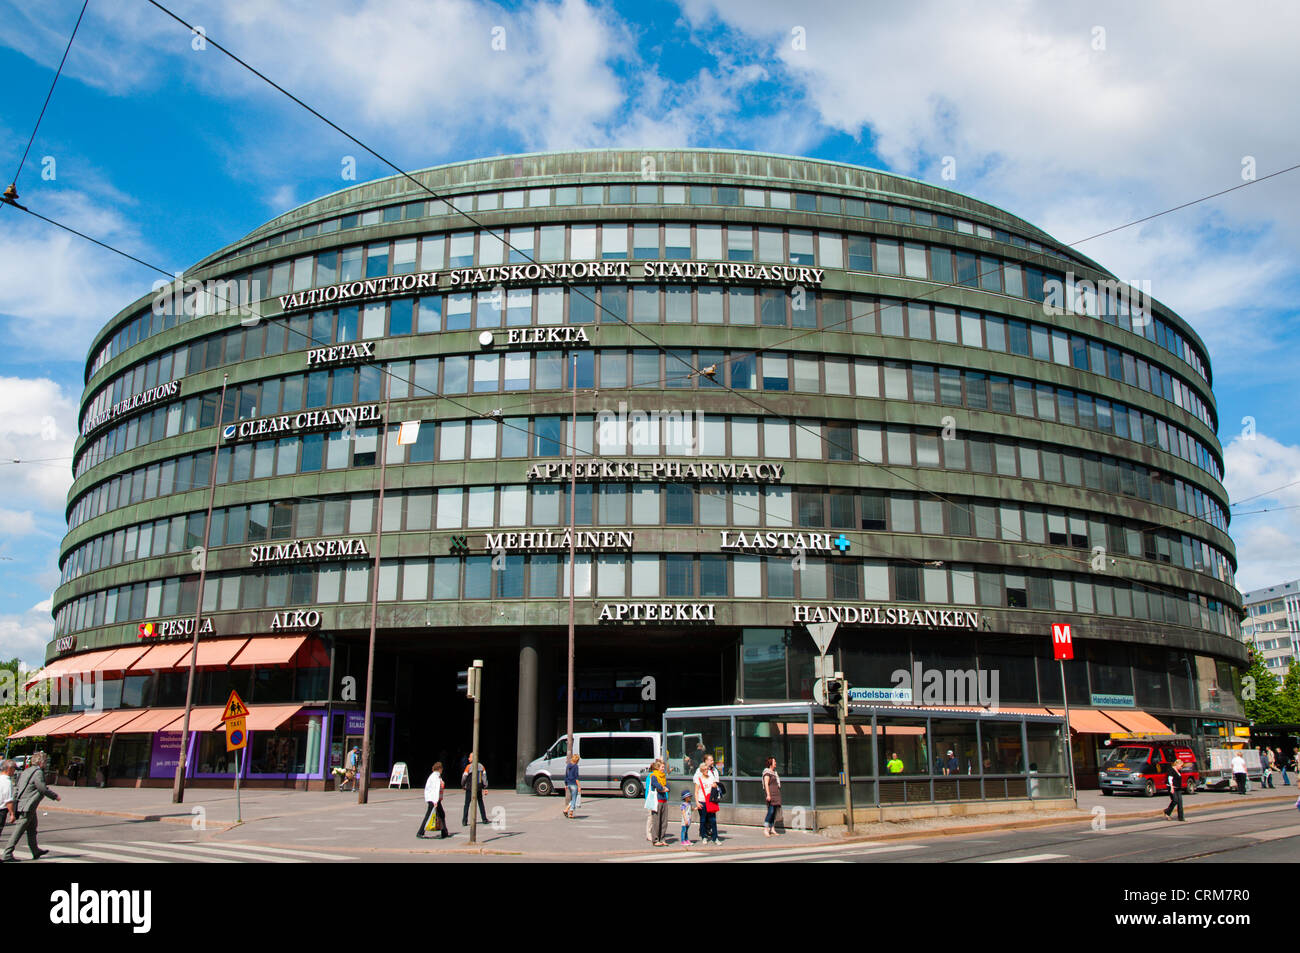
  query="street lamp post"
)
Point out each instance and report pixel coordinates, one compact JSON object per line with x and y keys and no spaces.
{"x":573,"y":510}
{"x":363,"y":788}
{"x":178,"y":785}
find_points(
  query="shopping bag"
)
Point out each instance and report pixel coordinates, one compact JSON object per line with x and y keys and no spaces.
{"x":432,"y":823}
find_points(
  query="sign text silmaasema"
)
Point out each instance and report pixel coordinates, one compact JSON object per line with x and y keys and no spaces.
{"x":546,"y":540}
{"x":661,"y":470}
{"x":327,"y":419}
{"x":558,"y":272}
{"x":135,"y":402}
{"x":341,"y":354}
{"x":889,"y":615}
{"x":352,"y":547}
{"x":657,"y":612}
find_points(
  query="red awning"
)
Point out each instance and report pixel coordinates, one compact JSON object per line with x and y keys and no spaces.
{"x":46,"y":726}
{"x":155,"y":719}
{"x":1139,"y":722}
{"x":123,"y":659}
{"x":214,"y":652}
{"x":1089,"y":721}
{"x":270,"y":650}
{"x":114,"y":722}
{"x":270,"y":717}
{"x":162,"y":657}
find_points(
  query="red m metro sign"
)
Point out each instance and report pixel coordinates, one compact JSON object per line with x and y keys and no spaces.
{"x":1062,"y":646}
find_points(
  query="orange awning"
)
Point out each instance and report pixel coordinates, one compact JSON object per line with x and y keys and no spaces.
{"x":1139,"y":722}
{"x":155,"y":719}
{"x":270,"y":717}
{"x":162,"y":657}
{"x":46,"y":726}
{"x":1089,"y":721}
{"x":213,"y":652}
{"x":270,"y":650}
{"x":123,"y":659}
{"x":83,"y":721}
{"x":207,"y":718}
{"x":113,"y":722}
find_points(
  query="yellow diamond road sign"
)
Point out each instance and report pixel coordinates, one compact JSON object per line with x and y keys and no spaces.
{"x":235,"y":708}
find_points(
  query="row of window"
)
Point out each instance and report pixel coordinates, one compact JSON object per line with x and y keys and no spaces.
{"x":648,"y":194}
{"x":643,"y":575}
{"x":702,"y":242}
{"x":739,"y":438}
{"x":619,"y":433}
{"x":673,"y":303}
{"x":650,"y":504}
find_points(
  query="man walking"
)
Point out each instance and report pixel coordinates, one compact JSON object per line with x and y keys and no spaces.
{"x":1266,"y":762}
{"x":1239,"y":772}
{"x":1175,"y":778}
{"x":6,"y":793}
{"x":482,"y":786}
{"x":433,"y":789}
{"x":31,"y":790}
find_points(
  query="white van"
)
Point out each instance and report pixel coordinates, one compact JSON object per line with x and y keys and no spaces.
{"x":607,"y":761}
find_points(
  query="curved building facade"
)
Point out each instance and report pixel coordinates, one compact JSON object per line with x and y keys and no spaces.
{"x":774,"y":392}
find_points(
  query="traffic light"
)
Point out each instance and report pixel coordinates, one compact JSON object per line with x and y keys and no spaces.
{"x":462,"y":683}
{"x":834,"y":692}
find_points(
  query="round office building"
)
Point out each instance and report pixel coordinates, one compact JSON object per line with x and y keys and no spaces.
{"x":750,"y":393}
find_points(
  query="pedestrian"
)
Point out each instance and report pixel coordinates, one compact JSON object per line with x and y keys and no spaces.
{"x":572,"y":786}
{"x":6,"y":792}
{"x":482,"y":786}
{"x":31,"y":788}
{"x":705,"y":784}
{"x":351,"y":765}
{"x":1271,"y":767}
{"x":656,"y":802}
{"x":1265,"y":768}
{"x":685,"y":839}
{"x":952,"y":766}
{"x":433,"y":789}
{"x":1239,"y":772}
{"x":772,"y":794}
{"x":1175,"y":778}
{"x":895,"y":764}
{"x":1284,"y":765}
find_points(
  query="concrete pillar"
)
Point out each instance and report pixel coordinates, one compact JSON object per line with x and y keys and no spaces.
{"x":527,"y":733}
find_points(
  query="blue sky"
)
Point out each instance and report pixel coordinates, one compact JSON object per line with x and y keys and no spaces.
{"x":1078,"y":117}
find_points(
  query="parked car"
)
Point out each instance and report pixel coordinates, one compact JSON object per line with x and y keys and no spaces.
{"x":608,"y":761}
{"x":1140,"y":766}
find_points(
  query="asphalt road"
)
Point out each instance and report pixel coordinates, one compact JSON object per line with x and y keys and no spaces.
{"x":1240,"y":834}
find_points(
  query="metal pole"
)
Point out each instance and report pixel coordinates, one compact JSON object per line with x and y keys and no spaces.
{"x":363,"y":788}
{"x":844,"y":751}
{"x":573,"y":520}
{"x":239,"y":811}
{"x":1069,"y":743}
{"x":476,"y":676}
{"x":178,"y":785}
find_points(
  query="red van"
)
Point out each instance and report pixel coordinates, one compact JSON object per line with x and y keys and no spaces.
{"x":1138,"y":766}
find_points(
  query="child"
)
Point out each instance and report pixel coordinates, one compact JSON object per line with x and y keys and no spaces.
{"x":686,"y":818}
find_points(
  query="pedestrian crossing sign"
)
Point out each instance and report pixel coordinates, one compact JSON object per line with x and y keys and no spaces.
{"x":235,"y":707}
{"x":236,"y":733}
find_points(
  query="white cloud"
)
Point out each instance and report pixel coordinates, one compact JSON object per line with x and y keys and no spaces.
{"x":1263,"y":478}
{"x":38,"y":426}
{"x":26,"y":634}
{"x":60,"y":289}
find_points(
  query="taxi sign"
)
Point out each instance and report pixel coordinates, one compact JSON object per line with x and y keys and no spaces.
{"x":235,"y":707}
{"x":236,"y":733}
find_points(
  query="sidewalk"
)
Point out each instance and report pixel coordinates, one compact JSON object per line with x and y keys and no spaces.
{"x":526,"y":825}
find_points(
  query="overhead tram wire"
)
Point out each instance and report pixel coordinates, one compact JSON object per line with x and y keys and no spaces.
{"x":11,"y":193}
{"x":619,"y":318}
{"x":560,"y":442}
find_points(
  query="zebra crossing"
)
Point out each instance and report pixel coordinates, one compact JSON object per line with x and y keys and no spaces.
{"x":179,"y":852}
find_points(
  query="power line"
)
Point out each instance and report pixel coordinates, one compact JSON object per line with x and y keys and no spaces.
{"x":13,"y":187}
{"x":659,"y":346}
